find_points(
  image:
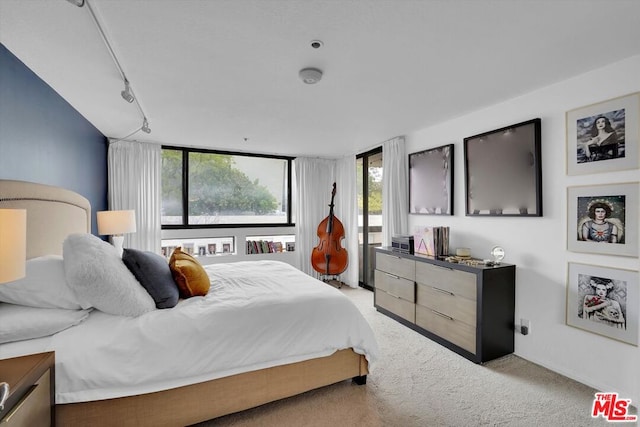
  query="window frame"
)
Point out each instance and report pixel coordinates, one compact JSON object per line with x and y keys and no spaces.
{"x":185,"y":187}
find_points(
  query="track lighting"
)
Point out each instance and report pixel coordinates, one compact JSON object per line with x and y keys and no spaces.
{"x":145,"y":126}
{"x":78,"y":3}
{"x":126,"y":93}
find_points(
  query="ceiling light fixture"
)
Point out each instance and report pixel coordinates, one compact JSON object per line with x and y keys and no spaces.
{"x":145,"y":126}
{"x":78,"y":3}
{"x":310,"y":75}
{"x":316,"y":44}
{"x":126,"y":93}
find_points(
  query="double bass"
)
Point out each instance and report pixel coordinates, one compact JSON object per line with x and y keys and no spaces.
{"x":329,"y":258}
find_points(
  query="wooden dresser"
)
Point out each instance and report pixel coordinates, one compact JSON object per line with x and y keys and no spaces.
{"x":32,"y":390}
{"x":468,"y":309}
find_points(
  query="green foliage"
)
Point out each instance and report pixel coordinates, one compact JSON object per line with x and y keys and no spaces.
{"x":215,"y":186}
{"x":374,"y":182}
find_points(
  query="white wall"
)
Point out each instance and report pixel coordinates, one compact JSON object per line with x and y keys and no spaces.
{"x":538,"y":245}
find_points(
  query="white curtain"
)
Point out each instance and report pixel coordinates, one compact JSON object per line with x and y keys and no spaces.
{"x":395,"y":189}
{"x":135,"y":183}
{"x":314,"y":182}
{"x":347,"y":211}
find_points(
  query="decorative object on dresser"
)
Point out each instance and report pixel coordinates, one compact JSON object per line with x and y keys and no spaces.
{"x":30,"y":401}
{"x":402,"y":243}
{"x":503,"y":171}
{"x":115,"y":224}
{"x":467,"y":308}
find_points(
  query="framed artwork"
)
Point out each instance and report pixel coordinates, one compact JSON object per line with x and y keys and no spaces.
{"x":603,"y":219}
{"x":211,"y":247}
{"x":604,"y":137}
{"x":503,"y":172}
{"x":431,"y":181}
{"x":604,"y":301}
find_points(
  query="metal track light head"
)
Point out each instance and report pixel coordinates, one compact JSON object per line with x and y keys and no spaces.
{"x":126,"y":93}
{"x":145,"y":126}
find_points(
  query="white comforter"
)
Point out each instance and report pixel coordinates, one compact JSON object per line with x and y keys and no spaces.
{"x":256,"y":315}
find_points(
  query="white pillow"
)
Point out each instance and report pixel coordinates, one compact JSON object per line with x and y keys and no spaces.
{"x":19,"y":323}
{"x":44,"y":286}
{"x":96,"y":274}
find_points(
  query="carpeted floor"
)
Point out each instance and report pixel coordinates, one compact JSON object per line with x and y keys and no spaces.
{"x":419,"y":383}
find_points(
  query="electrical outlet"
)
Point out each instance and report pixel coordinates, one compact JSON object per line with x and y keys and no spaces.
{"x":525,"y":326}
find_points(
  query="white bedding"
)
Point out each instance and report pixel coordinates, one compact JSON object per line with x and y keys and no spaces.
{"x":257,"y":314}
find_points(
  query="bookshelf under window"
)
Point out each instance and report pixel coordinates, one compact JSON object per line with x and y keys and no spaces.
{"x":270,"y":244}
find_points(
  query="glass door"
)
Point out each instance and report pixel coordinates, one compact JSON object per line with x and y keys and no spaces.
{"x":369,"y":188}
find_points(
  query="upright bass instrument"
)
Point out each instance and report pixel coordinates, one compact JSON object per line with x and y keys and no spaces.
{"x":329,"y":258}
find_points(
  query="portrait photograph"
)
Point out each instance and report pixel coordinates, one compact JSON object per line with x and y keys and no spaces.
{"x":603,"y":219}
{"x":603,"y":137}
{"x":604,"y":301}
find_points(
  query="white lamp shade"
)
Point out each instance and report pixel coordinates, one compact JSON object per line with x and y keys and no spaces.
{"x":13,"y":244}
{"x":116,"y":222}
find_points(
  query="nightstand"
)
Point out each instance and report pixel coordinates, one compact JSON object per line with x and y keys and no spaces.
{"x":31,"y":401}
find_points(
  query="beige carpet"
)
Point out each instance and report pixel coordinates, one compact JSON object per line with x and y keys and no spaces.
{"x":417,"y":382}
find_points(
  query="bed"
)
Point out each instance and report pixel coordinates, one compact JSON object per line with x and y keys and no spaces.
{"x":211,"y":373}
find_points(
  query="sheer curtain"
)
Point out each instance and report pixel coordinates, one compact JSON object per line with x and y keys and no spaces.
{"x":395,"y":189}
{"x":314,"y":181}
{"x":347,"y":211}
{"x":135,"y":183}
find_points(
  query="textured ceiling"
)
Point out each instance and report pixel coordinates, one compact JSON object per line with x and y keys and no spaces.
{"x":212,"y":73}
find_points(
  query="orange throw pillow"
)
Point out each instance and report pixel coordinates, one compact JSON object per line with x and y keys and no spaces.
{"x":190,"y":276}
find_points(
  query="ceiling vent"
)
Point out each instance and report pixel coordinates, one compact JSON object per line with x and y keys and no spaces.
{"x":310,"y":75}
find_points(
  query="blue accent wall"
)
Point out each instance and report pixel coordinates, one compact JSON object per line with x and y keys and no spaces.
{"x":43,"y":139}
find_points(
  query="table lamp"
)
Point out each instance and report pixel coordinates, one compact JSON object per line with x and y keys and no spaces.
{"x":13,"y":255}
{"x":115,"y":224}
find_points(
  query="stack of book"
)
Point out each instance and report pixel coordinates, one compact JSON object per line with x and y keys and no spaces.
{"x":432,"y":241}
{"x":263,"y":247}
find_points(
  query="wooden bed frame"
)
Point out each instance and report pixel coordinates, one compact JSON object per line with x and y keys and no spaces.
{"x":52,"y":214}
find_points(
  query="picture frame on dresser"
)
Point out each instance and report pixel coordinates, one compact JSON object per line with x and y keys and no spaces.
{"x":431,"y":181}
{"x":604,"y":137}
{"x":503,"y":171}
{"x":604,"y":301}
{"x":602,"y":219}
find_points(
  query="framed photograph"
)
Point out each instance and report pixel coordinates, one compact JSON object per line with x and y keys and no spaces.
{"x":603,"y":219}
{"x":604,"y":301}
{"x":503,"y":173}
{"x":226,"y":248}
{"x":202,"y":250}
{"x":291,"y":246}
{"x":604,"y":137}
{"x":431,"y":181}
{"x":211,"y":248}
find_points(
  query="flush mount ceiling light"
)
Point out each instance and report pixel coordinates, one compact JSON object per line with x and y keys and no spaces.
{"x":310,"y":75}
{"x":78,"y":3}
{"x":126,"y":93}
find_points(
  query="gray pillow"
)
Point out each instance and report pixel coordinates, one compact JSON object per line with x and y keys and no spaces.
{"x":154,"y":274}
{"x":99,"y":278}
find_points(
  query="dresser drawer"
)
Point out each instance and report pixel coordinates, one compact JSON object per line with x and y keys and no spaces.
{"x":395,"y":285}
{"x":402,"y":267}
{"x":34,"y":409}
{"x":452,"y":330}
{"x":462,"y":309}
{"x":459,"y":283}
{"x":398,"y":306}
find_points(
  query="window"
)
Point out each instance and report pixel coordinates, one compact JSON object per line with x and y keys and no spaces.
{"x":202,"y":188}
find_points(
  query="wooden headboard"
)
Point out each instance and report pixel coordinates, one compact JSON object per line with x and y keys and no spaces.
{"x":52,"y":214}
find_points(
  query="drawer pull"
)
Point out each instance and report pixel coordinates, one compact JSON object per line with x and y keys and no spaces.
{"x":442,"y":315}
{"x":391,"y":275}
{"x":16,"y":408}
{"x":444,"y":292}
{"x":392,"y":295}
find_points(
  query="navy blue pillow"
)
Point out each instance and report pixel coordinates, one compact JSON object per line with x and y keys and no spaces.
{"x":154,"y":274}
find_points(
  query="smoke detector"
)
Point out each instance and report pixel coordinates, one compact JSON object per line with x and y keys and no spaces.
{"x":310,"y":75}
